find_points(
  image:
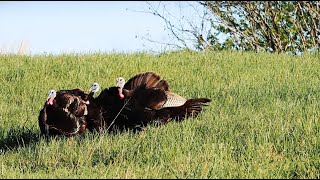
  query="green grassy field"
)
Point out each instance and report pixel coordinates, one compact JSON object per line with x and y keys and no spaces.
{"x":263,"y":121}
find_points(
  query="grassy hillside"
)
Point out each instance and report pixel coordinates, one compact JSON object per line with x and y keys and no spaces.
{"x":263,"y":121}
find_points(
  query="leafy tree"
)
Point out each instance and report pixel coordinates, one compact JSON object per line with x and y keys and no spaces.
{"x":274,"y":26}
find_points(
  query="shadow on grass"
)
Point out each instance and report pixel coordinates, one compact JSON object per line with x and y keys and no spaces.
{"x":14,"y":138}
{"x":17,"y":137}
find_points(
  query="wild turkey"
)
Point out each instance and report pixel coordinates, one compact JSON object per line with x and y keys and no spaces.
{"x":151,"y":95}
{"x":64,"y":113}
{"x":144,"y":99}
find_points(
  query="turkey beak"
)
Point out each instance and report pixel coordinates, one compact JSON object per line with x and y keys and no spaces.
{"x":119,"y":85}
{"x":90,"y":90}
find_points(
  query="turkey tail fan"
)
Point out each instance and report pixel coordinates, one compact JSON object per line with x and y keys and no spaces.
{"x":151,"y":79}
{"x":173,"y":100}
{"x":191,"y":108}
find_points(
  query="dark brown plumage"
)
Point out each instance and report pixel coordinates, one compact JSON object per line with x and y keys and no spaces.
{"x":64,"y":113}
{"x":147,"y":100}
{"x":191,"y":108}
{"x":157,"y":101}
{"x":107,"y":112}
{"x":150,"y":79}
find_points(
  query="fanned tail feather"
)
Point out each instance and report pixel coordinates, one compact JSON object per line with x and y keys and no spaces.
{"x":173,"y":100}
{"x":151,"y":79}
{"x":191,"y":108}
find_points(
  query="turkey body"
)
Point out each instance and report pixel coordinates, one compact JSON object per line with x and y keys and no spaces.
{"x":161,"y":106}
{"x":66,"y":115}
{"x":108,"y":113}
{"x":147,"y":100}
{"x":151,"y":96}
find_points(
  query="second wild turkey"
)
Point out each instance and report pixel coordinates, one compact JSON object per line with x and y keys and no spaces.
{"x":144,"y":99}
{"x":150,"y":95}
{"x":110,"y":112}
{"x":151,"y":99}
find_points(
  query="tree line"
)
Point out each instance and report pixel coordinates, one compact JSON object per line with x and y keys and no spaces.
{"x":273,"y":26}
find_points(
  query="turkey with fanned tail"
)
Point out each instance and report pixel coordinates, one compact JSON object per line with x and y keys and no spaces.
{"x":143,"y":100}
{"x":151,"y":97}
{"x":110,"y":111}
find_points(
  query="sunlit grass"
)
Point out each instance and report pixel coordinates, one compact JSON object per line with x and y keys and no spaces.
{"x":263,"y":121}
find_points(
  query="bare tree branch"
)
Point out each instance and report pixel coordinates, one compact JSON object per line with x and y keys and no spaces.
{"x":276,"y":26}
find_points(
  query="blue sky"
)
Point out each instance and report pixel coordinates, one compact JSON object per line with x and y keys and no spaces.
{"x":83,"y":26}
